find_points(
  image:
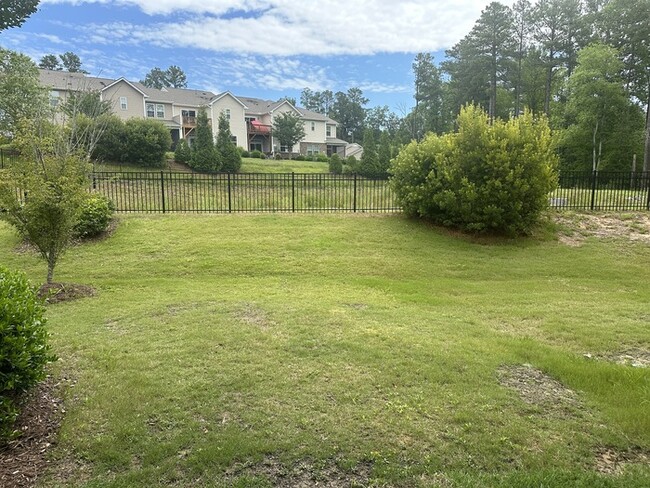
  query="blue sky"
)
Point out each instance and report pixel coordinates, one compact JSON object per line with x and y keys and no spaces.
{"x":259,"y":48}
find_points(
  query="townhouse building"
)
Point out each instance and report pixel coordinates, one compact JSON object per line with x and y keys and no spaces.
{"x":251,"y":119}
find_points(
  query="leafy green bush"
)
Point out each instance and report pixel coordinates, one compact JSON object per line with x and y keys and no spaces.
{"x":182,"y":153}
{"x":96,"y":214}
{"x":147,"y":141}
{"x":256,"y":154}
{"x":262,"y":156}
{"x":24,"y":351}
{"x":484,"y":178}
{"x":300,"y":157}
{"x":278,"y":156}
{"x":245,"y":153}
{"x":229,"y":155}
{"x":111,"y":145}
{"x":336,"y":165}
{"x":322,"y":158}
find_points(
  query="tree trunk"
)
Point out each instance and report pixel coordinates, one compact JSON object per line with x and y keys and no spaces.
{"x":547,"y":95}
{"x":594,"y":163}
{"x":51,"y":262}
{"x":646,"y":150}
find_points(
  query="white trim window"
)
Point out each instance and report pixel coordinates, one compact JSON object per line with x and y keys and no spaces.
{"x":313,"y":150}
{"x":54,"y":98}
{"x":227,"y":113}
{"x":160,"y":111}
{"x":124,"y":103}
{"x":233,"y":139}
{"x":328,"y":131}
{"x":151,"y":110}
{"x":285,"y":149}
{"x":313,"y":126}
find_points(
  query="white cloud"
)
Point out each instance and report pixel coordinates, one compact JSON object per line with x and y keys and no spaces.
{"x":378,"y":87}
{"x":296,"y":27}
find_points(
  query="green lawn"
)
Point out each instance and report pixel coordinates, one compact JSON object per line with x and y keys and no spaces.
{"x":257,"y":350}
{"x":249,"y":165}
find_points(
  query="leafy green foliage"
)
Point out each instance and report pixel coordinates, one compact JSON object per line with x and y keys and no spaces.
{"x":21,"y":95}
{"x":14,"y":12}
{"x":147,"y":141}
{"x":336,"y":165}
{"x":111,"y":145}
{"x":228,"y":154}
{"x":369,"y":166}
{"x":204,"y":155}
{"x":484,"y":178}
{"x":173,"y":77}
{"x":96,"y":214}
{"x":182,"y":153}
{"x":288,"y":129}
{"x":24,"y":350}
{"x":322,"y":158}
{"x":256,"y":154}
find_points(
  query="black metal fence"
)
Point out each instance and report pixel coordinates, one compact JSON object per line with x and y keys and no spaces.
{"x":7,"y":157}
{"x":602,"y":190}
{"x":244,"y":192}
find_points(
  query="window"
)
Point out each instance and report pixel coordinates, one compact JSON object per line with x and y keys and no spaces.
{"x":250,"y":119}
{"x":328,"y":131}
{"x":227,"y":113}
{"x":256,"y":146}
{"x":150,"y":110}
{"x":285,"y":149}
{"x":313,"y":126}
{"x":312,"y":150}
{"x":124,"y":103}
{"x":233,"y":139}
{"x":160,"y":111}
{"x":54,"y":98}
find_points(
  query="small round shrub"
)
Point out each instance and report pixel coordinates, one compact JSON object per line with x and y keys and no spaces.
{"x":322,"y":158}
{"x":96,"y":214}
{"x":245,"y":154}
{"x":278,"y":156}
{"x":256,"y":154}
{"x":300,"y":157}
{"x":262,"y":156}
{"x":24,"y":350}
{"x":336,"y":165}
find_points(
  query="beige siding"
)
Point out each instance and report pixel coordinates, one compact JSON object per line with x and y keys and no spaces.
{"x":135,"y":100}
{"x":237,"y":121}
{"x":318,"y":134}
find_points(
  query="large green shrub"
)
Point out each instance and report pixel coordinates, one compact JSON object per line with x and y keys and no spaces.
{"x":110,"y":146}
{"x":96,"y":214}
{"x":24,"y":351}
{"x":147,"y":141}
{"x":228,"y":153}
{"x":322,"y":158}
{"x":256,"y":154}
{"x":483,"y":178}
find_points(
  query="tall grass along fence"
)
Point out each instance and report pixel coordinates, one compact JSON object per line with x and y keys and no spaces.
{"x":602,"y":190}
{"x":244,"y":192}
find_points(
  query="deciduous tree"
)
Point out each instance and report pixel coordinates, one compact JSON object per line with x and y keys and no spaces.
{"x":288,"y":129}
{"x":14,"y":12}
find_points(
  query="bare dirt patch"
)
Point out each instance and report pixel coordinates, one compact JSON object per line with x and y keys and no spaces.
{"x":251,"y":314}
{"x":24,"y":459}
{"x":613,"y":462}
{"x":63,"y":292}
{"x":305,"y":473}
{"x":638,"y":358}
{"x":537,"y":388}
{"x":577,"y":227}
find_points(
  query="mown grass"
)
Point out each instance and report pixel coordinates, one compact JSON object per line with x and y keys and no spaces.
{"x":218,"y":342}
{"x":249,"y":165}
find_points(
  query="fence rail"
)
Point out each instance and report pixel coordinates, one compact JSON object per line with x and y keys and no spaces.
{"x":244,"y":192}
{"x":602,"y":190}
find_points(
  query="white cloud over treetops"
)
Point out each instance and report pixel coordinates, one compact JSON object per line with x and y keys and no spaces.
{"x":293,"y":27}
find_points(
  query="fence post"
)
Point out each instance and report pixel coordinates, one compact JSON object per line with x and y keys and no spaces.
{"x":2,"y":159}
{"x":594,"y":177}
{"x":162,"y":189}
{"x":293,"y":191}
{"x":229,"y":196}
{"x":647,"y":182}
{"x":354,"y":194}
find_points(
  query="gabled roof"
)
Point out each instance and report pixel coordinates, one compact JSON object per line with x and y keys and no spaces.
{"x":178,"y":96}
{"x":219,"y":97}
{"x":124,"y":80}
{"x":309,"y":115}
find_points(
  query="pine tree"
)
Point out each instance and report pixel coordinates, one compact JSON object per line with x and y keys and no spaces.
{"x":228,"y":153}
{"x":204,"y":154}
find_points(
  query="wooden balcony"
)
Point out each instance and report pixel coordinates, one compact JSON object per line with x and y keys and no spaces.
{"x":257,"y":128}
{"x":190,"y":121}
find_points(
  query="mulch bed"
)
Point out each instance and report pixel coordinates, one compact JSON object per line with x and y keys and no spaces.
{"x":61,"y":292}
{"x":24,"y":459}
